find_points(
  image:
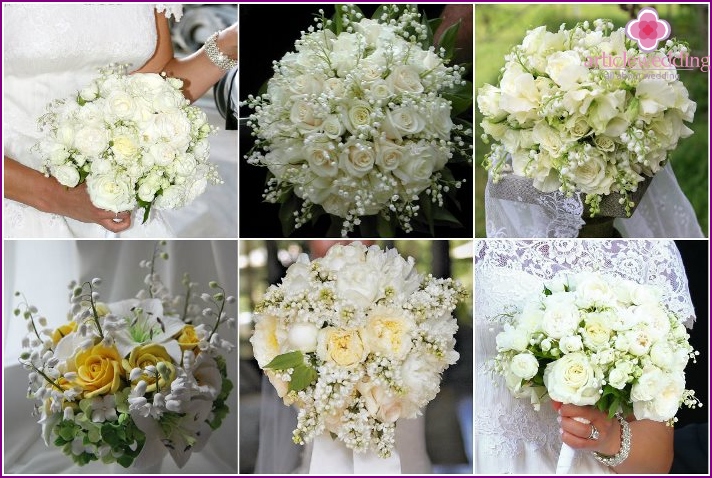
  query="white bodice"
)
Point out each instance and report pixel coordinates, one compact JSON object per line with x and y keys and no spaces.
{"x":510,"y":436}
{"x":51,"y":51}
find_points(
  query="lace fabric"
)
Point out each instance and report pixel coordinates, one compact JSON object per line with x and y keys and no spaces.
{"x":52,"y":51}
{"x":664,"y":211}
{"x":507,"y":273}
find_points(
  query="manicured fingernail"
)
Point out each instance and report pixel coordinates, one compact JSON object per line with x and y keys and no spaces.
{"x":558,"y":419}
{"x":561,"y":431}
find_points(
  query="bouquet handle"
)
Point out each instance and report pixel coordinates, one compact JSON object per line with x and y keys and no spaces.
{"x":566,"y":458}
{"x":332,"y":457}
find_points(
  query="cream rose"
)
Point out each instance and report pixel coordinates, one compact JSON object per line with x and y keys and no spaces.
{"x":390,"y":155}
{"x":524,"y":366}
{"x":389,"y":332}
{"x":343,"y":347}
{"x":405,"y":79}
{"x":572,"y":379}
{"x":380,"y":403}
{"x":594,"y":176}
{"x":566,"y":69}
{"x":303,"y":116}
{"x":357,"y":158}
{"x":320,"y":156}
{"x":110,"y":192}
{"x":596,"y":331}
{"x":266,"y":342}
{"x":403,"y":121}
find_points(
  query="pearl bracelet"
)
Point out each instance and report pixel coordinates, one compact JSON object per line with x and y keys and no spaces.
{"x":220,"y":59}
{"x":622,"y":454}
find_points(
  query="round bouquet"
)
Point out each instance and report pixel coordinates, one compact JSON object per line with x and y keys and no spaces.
{"x":356,"y":340}
{"x":357,"y":121}
{"x":567,"y":116}
{"x":126,"y":382}
{"x":134,"y":139}
{"x":590,"y":339}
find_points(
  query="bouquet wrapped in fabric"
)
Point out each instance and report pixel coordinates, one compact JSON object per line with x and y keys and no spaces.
{"x":590,"y":339}
{"x":128,"y":381}
{"x":569,"y":118}
{"x":356,"y":340}
{"x":360,"y":122}
{"x":134,"y":139}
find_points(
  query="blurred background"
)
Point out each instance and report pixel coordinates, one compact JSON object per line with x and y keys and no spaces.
{"x":448,"y":418}
{"x":500,"y":27}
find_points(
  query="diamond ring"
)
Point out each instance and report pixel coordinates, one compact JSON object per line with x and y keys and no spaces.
{"x":594,"y":433}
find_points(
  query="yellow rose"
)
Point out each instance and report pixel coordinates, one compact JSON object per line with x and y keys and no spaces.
{"x":98,"y":370}
{"x":188,"y":339}
{"x":344,"y":347}
{"x":151,"y":354}
{"x":63,"y":331}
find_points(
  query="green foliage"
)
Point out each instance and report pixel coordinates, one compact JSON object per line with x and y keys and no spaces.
{"x":303,"y":374}
{"x":220,"y":408}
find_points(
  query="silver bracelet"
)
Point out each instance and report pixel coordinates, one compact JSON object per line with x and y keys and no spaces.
{"x":220,"y":59}
{"x":622,"y":454}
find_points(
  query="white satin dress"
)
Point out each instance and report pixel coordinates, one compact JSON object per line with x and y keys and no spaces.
{"x":510,"y":436}
{"x":51,"y":51}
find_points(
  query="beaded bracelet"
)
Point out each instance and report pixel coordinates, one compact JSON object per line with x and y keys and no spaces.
{"x":220,"y":59}
{"x":622,"y":454}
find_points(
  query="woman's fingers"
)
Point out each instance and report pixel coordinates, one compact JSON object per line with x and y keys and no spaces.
{"x":577,"y":429}
{"x":116,"y":222}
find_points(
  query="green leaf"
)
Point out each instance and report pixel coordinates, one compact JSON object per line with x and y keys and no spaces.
{"x":302,"y":377}
{"x":337,"y":21}
{"x":547,"y":292}
{"x":285,"y":361}
{"x":447,"y":40}
{"x":461,"y":98}
{"x":286,"y":215}
{"x":385,"y":227}
{"x":426,"y":207}
{"x":432,"y":27}
{"x":441,"y":214}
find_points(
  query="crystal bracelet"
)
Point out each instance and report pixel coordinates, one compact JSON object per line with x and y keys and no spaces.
{"x":622,"y":454}
{"x":220,"y":59}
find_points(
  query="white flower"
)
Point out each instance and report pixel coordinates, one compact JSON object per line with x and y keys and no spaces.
{"x":302,"y":336}
{"x":572,"y":379}
{"x":207,"y":376}
{"x":405,"y":79}
{"x":389,"y":332}
{"x":561,"y":316}
{"x":595,"y":332}
{"x":512,"y":338}
{"x":103,"y":409}
{"x":91,"y":141}
{"x":566,"y":69}
{"x":664,"y":404}
{"x":524,"y":366}
{"x":111,"y":192}
{"x":266,"y":342}
{"x":357,"y":158}
{"x":119,"y":105}
{"x":66,"y":175}
{"x":303,"y":115}
{"x":620,"y":375}
{"x":403,"y":121}
{"x":380,"y":403}
{"x":572,"y":343}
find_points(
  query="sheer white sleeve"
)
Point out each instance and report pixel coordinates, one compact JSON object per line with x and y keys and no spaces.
{"x":174,"y":10}
{"x":664,"y":211}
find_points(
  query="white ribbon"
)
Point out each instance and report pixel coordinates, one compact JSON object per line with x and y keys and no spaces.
{"x":331,"y":457}
{"x":566,"y":455}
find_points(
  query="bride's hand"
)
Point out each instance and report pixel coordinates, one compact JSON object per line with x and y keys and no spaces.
{"x":576,"y":428}
{"x":29,"y":186}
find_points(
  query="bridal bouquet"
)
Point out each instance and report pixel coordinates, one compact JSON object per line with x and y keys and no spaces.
{"x":590,"y":339}
{"x":571,"y":119}
{"x":356,"y":340}
{"x":357,"y":122}
{"x":127,"y":381}
{"x":134,"y":140}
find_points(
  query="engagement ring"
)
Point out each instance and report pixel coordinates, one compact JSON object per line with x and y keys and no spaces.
{"x":594,"y":433}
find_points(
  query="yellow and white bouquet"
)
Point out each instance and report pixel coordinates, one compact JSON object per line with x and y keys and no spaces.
{"x":358,"y":121}
{"x":128,"y":381}
{"x":356,"y":340}
{"x":585,"y":111}
{"x":134,"y":139}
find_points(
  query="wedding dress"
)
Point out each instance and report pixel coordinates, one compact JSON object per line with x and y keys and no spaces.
{"x":510,"y":436}
{"x":664,"y":211}
{"x":117,"y":264}
{"x":51,"y":52}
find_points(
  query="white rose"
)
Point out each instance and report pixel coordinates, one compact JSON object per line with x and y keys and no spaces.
{"x":665,"y":357}
{"x":90,"y":115}
{"x":519,"y":94}
{"x":380,"y":402}
{"x":174,"y":128}
{"x":374,"y":31}
{"x":512,"y":338}
{"x":147,"y":189}
{"x":370,"y":70}
{"x":91,"y":141}
{"x":596,"y":331}
{"x":561,"y":316}
{"x":405,"y":79}
{"x":110,"y":192}
{"x":320,"y":156}
{"x":427,"y":60}
{"x":665,"y":403}
{"x":148,"y":85}
{"x":530,"y":318}
{"x":333,"y":127}
{"x":566,"y":69}
{"x":119,"y":105}
{"x":620,"y":375}
{"x":639,"y":341}
{"x":298,"y":277}
{"x":303,"y":116}
{"x":303,"y":336}
{"x":379,"y":90}
{"x":357,"y":116}
{"x":488,"y":103}
{"x":334,"y":87}
{"x":345,"y":53}
{"x":571,"y":343}
{"x":185,"y":165}
{"x":388,"y":331}
{"x":403,"y":121}
{"x":594,"y":176}
{"x":162,"y":154}
{"x":548,"y":138}
{"x":654,"y":318}
{"x":390,"y":155}
{"x":89,"y":92}
{"x":648,"y":385}
{"x":124,"y":148}
{"x":66,"y":175}
{"x":305,"y":85}
{"x":355,"y":284}
{"x":357,"y":158}
{"x":572,"y":379}
{"x":55,"y":152}
{"x":524,"y":365}
{"x":340,"y":256}
{"x":438,"y":122}
{"x":195,"y":189}
{"x":172,"y":197}
{"x":416,"y":173}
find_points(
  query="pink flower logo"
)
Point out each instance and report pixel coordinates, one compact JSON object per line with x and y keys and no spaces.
{"x":648,"y":29}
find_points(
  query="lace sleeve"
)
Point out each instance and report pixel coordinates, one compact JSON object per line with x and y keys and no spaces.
{"x":644,"y":261}
{"x":174,"y":10}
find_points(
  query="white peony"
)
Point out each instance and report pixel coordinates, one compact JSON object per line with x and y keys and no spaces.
{"x":302,"y":336}
{"x":561,"y":316}
{"x":66,"y":175}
